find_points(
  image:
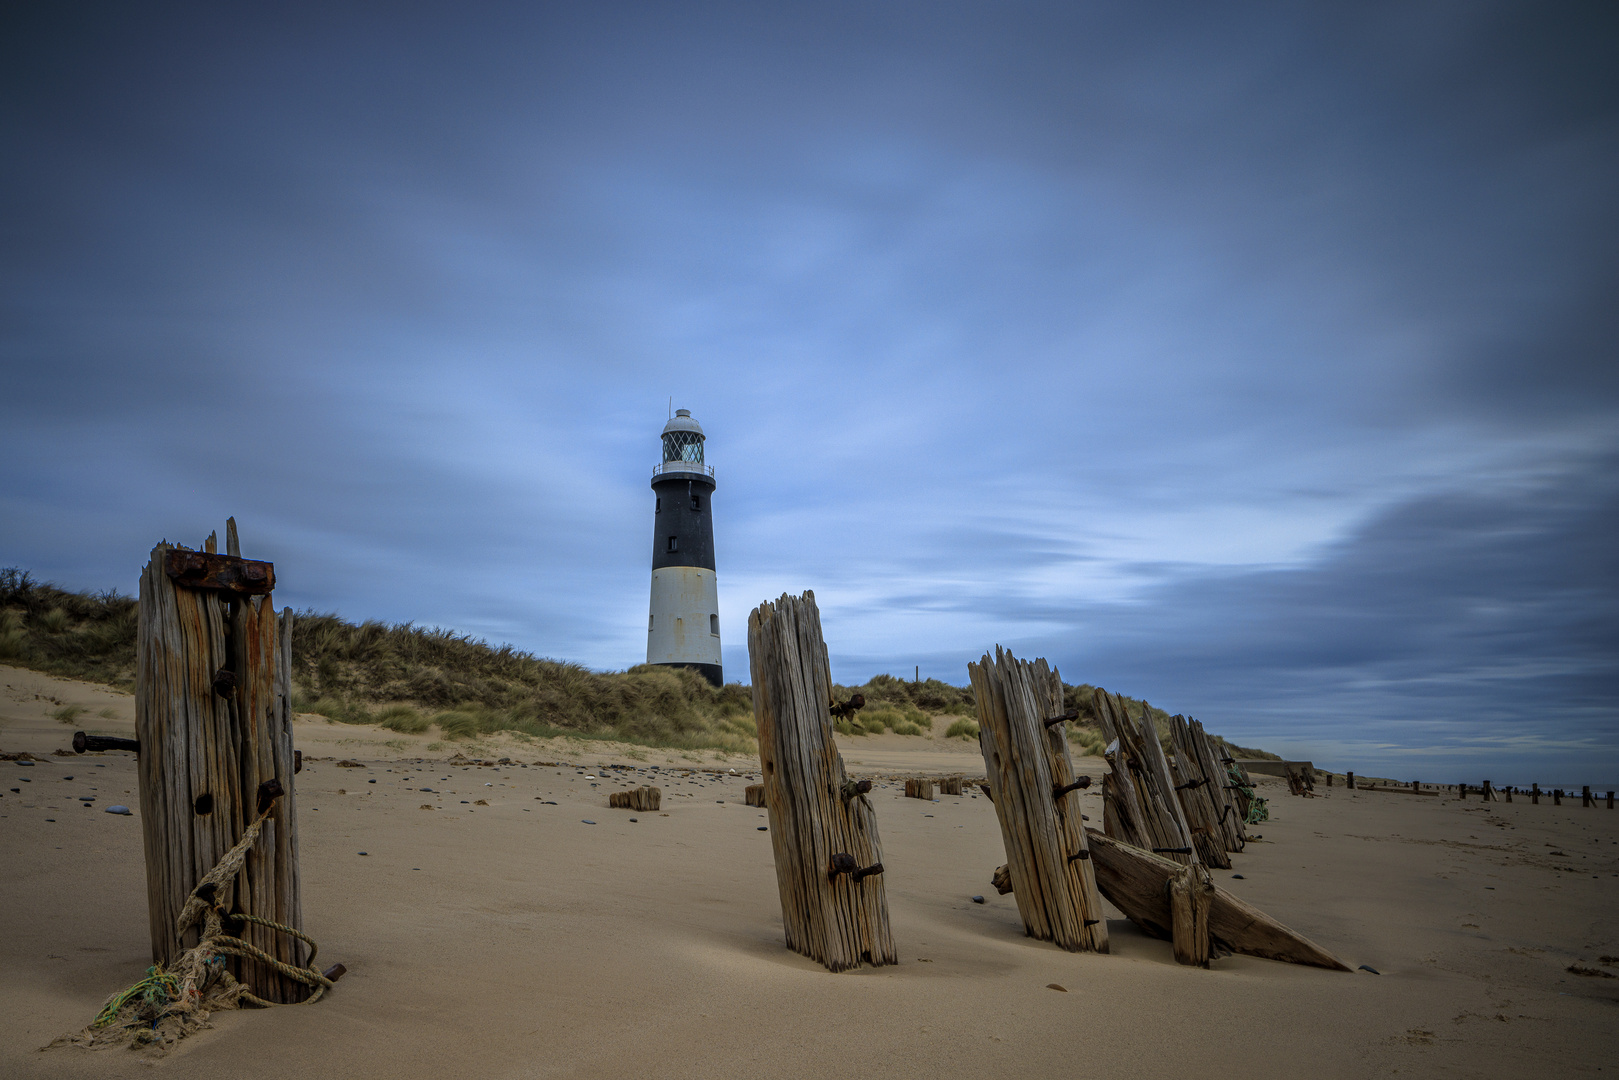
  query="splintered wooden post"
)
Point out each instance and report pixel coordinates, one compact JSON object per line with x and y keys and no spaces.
{"x":823,"y":828}
{"x":1191,"y":896}
{"x":1032,"y":785}
{"x":1139,"y":803}
{"x":213,"y":716}
{"x":1534,"y":794}
{"x":1349,"y":781}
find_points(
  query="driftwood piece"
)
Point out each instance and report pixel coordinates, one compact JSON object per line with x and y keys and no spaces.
{"x":213,"y":716}
{"x":823,"y":828}
{"x":919,"y":789}
{"x":754,"y":795}
{"x":641,"y":798}
{"x":1140,"y":806}
{"x":1191,"y":896}
{"x":1002,"y":879}
{"x":949,"y":785}
{"x":1137,"y":883}
{"x":1026,"y":764}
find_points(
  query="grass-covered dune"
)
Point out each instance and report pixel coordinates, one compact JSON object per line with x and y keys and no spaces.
{"x":410,"y":678}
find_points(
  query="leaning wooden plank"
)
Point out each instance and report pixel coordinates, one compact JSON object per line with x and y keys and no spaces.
{"x":1031,"y":780}
{"x":1137,"y":882}
{"x":823,"y":827}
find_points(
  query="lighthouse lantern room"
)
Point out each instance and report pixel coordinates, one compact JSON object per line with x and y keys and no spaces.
{"x":683,"y":627}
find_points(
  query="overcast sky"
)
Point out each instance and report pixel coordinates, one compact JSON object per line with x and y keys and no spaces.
{"x":1258,"y":360}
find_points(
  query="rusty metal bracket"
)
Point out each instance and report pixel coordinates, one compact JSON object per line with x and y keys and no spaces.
{"x":269,"y":792}
{"x":202,"y":570}
{"x":83,"y":742}
{"x":852,"y":788}
{"x":1059,"y":790}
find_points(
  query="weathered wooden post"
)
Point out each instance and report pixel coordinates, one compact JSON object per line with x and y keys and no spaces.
{"x":1557,"y":796}
{"x":1610,"y":800}
{"x":1139,"y":805}
{"x":1349,"y":779}
{"x":1201,"y":788}
{"x":919,"y":789}
{"x":213,"y":716}
{"x":1023,"y":737}
{"x":822,"y":826}
{"x":1191,"y":896}
{"x":1534,"y":794}
{"x":1486,"y":792}
{"x":1585,"y":796}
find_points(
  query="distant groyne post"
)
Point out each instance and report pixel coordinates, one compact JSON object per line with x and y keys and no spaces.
{"x":213,"y":717}
{"x":823,"y":828}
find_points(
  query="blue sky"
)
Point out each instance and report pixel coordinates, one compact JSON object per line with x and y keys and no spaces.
{"x":1255,"y":359}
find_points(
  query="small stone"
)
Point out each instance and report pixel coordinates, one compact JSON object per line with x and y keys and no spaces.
{"x":1056,"y":986}
{"x":587,"y":821}
{"x":365,"y":853}
{"x":764,"y":828}
{"x":1368,"y":967}
{"x":978,"y":899}
{"x":634,"y":820}
{"x":1237,"y":876}
{"x":124,"y":810}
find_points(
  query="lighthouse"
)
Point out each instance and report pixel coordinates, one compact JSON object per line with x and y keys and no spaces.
{"x":683,"y":627}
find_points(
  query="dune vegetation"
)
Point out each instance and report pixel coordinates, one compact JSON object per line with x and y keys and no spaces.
{"x":412,"y":679}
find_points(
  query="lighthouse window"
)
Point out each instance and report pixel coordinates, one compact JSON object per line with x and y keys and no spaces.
{"x":714,"y":625}
{"x":683,"y":446}
{"x":696,"y":502}
{"x":674,"y":543}
{"x":657,"y":506}
{"x":649,"y":620}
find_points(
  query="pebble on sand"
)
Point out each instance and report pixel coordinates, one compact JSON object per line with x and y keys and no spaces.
{"x":120,"y":810}
{"x":1056,"y":986}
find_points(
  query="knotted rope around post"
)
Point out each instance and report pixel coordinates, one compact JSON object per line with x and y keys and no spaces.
{"x":168,"y":1004}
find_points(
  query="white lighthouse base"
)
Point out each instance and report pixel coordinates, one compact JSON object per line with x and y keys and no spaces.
{"x":684,"y":627}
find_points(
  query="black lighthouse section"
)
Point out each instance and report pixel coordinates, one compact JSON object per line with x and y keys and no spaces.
{"x":683,"y":529}
{"x":683,"y":534}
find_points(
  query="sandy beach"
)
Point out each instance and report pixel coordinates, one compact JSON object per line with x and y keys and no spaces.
{"x":544,"y":935}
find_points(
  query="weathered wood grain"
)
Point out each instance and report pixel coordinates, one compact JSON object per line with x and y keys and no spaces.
{"x":641,"y":798}
{"x":1137,"y":883}
{"x":1025,"y":762}
{"x":213,"y":717}
{"x":823,"y":828}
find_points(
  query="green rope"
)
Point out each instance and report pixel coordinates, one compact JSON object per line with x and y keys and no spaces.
{"x":157,"y":989}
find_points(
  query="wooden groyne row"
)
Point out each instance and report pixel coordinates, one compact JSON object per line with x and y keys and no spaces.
{"x":1486,"y":792}
{"x":1167,"y":817}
